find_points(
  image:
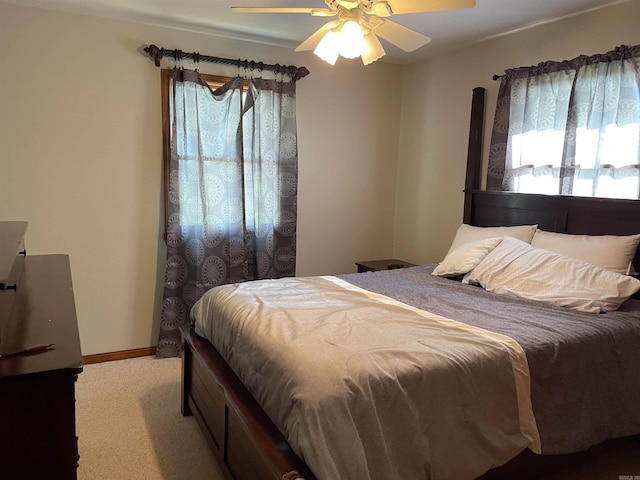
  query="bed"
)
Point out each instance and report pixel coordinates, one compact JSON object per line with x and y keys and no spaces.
{"x":556,"y":407}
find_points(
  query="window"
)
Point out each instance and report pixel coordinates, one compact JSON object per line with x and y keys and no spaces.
{"x":570,"y":128}
{"x":206,"y":165}
{"x":230,"y":174}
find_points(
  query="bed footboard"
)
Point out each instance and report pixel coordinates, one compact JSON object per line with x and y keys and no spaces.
{"x":243,"y":439}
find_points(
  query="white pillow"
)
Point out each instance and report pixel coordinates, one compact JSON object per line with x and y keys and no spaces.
{"x":612,"y":252}
{"x":518,"y":269}
{"x":464,"y":258}
{"x":467,"y":234}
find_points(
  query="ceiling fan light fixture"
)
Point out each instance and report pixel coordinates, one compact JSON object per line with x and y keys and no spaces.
{"x":373,"y":49}
{"x":351,"y":40}
{"x":347,"y":40}
{"x":329,"y":47}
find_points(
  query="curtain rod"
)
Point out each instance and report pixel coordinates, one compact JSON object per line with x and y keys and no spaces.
{"x":618,"y":53}
{"x":157,"y":53}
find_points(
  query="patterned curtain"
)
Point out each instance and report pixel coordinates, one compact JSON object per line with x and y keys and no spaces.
{"x":570,"y":128}
{"x":271,"y":179}
{"x":232,"y":187}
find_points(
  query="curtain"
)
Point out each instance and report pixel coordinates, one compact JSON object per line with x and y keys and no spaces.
{"x":231,"y":191}
{"x":570,"y":128}
{"x":271,"y":155}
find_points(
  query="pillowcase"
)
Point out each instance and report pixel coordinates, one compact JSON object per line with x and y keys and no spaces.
{"x":518,"y":269}
{"x":464,"y":258}
{"x":467,"y":233}
{"x":612,"y":252}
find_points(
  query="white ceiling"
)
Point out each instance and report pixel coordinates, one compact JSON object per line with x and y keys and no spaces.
{"x":448,"y":29}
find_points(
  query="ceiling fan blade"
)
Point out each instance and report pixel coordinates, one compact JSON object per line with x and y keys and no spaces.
{"x":316,"y":12}
{"x":416,"y":6}
{"x":311,"y":42}
{"x":401,"y":36}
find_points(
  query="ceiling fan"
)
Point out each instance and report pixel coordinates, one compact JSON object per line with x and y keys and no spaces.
{"x":359,"y":24}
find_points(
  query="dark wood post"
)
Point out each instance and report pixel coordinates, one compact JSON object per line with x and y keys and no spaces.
{"x":474,"y":152}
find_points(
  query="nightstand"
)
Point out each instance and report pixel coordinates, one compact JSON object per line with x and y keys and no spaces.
{"x":376,"y":265}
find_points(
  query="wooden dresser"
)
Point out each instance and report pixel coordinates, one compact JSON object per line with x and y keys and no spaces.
{"x":37,"y":390}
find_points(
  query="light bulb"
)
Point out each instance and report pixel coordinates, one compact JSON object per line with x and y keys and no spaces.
{"x":351,"y":40}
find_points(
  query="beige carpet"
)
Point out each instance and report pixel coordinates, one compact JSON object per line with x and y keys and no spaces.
{"x":130,"y":426}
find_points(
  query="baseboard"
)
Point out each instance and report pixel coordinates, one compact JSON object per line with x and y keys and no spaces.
{"x":121,"y":355}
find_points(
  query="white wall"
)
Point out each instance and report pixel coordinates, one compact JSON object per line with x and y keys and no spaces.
{"x":80,"y":133}
{"x":436,"y":111}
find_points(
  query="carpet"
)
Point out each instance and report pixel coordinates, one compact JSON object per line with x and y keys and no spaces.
{"x":129,"y":424}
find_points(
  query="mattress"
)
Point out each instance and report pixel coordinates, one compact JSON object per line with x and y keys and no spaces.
{"x":401,"y":374}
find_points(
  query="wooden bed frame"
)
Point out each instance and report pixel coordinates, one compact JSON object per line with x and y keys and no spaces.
{"x":245,"y":442}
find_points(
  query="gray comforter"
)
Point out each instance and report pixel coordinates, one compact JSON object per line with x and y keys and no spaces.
{"x":585,"y":374}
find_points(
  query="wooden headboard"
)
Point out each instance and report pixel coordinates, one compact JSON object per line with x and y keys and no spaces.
{"x":556,"y":213}
{"x":553,"y":213}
